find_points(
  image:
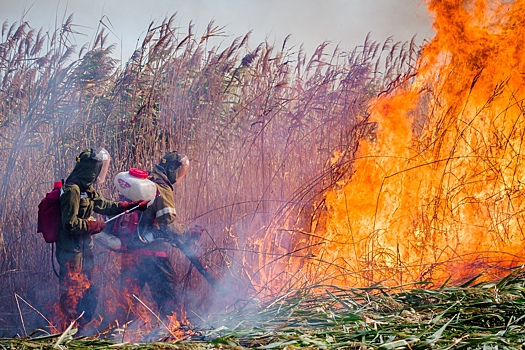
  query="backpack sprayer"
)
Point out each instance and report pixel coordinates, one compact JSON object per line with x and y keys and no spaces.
{"x":132,"y":185}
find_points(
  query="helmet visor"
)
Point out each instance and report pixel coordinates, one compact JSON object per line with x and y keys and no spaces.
{"x":181,"y":171}
{"x":103,"y":157}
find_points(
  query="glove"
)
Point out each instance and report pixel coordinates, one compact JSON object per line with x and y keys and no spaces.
{"x":193,"y":234}
{"x":95,"y":227}
{"x":123,"y":206}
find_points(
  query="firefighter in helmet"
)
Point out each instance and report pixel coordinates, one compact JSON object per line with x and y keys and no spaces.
{"x":74,"y":247}
{"x":145,"y":254}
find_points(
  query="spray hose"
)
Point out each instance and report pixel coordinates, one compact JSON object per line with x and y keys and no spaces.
{"x":141,"y":204}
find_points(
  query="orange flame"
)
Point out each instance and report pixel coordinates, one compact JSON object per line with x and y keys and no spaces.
{"x":131,"y":314}
{"x":439,"y":193}
{"x":174,"y":323}
{"x":75,"y":288}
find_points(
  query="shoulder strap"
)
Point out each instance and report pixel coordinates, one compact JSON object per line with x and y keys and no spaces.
{"x":53,"y":259}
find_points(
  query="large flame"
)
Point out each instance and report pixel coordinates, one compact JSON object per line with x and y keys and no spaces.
{"x":439,"y":193}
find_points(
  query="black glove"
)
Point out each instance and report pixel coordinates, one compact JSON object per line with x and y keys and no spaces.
{"x":95,"y":227}
{"x":124,"y":206}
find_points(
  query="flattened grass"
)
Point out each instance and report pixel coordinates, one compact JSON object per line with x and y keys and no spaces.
{"x":487,"y":315}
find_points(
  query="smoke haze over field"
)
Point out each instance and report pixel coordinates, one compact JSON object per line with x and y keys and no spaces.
{"x":309,"y":22}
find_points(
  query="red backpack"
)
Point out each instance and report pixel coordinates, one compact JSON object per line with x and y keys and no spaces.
{"x":49,"y":214}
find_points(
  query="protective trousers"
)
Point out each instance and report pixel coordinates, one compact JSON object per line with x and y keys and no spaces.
{"x":157,"y":272}
{"x":78,"y":294}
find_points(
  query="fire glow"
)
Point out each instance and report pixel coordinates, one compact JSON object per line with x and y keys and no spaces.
{"x":438,"y":194}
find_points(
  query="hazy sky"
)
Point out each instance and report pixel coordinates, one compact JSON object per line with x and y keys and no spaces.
{"x":310,"y":22}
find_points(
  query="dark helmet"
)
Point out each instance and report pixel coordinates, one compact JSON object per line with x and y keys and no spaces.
{"x":175,"y":165}
{"x":87,"y":169}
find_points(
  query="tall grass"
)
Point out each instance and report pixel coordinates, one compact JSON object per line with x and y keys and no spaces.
{"x":259,"y":125}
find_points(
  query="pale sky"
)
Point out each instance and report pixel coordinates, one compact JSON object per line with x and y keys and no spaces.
{"x":309,"y":22}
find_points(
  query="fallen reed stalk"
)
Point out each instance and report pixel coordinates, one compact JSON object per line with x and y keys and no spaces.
{"x":475,"y":315}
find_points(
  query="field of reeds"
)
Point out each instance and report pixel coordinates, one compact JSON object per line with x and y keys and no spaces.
{"x":268,"y":128}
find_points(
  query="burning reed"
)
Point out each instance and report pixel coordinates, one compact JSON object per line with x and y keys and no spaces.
{"x":310,"y":174}
{"x":438,"y":193}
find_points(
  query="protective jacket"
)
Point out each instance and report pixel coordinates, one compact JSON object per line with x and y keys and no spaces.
{"x":78,"y":201}
{"x":159,"y":220}
{"x":76,"y":208}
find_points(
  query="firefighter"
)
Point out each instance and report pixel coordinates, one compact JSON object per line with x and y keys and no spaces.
{"x":74,"y":247}
{"x":145,"y":252}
